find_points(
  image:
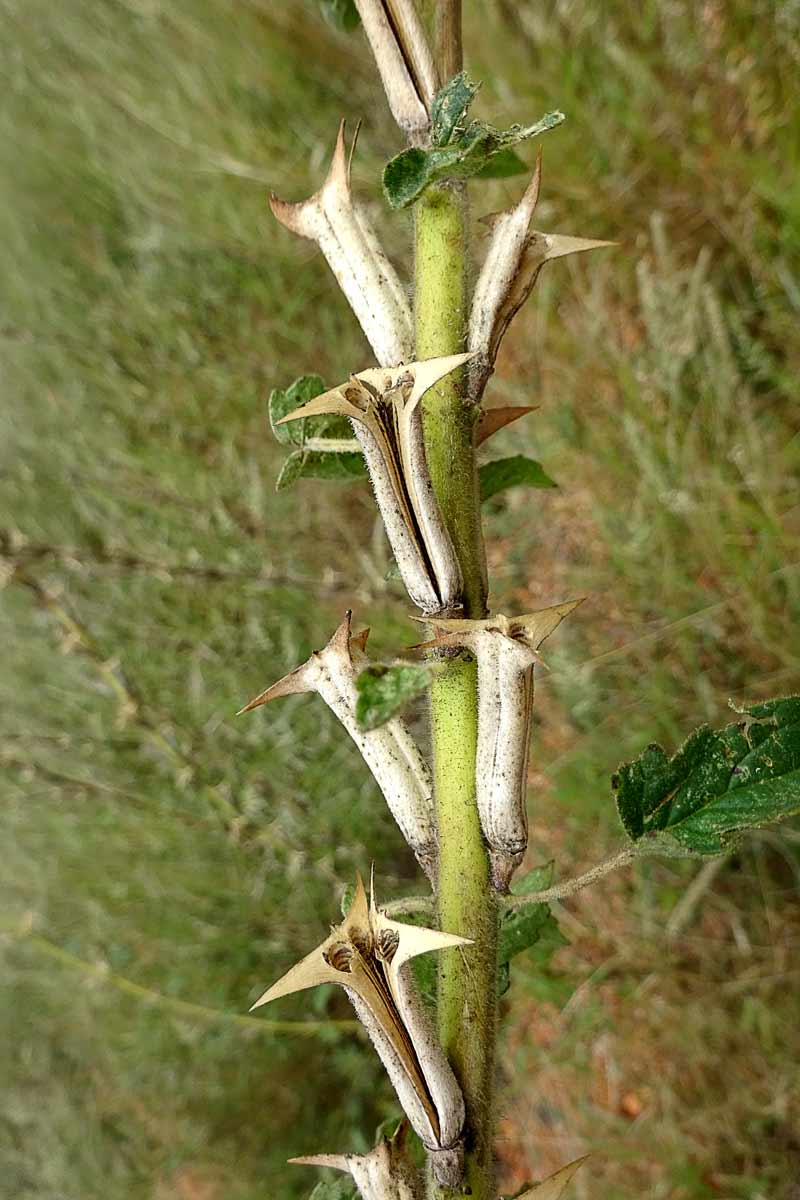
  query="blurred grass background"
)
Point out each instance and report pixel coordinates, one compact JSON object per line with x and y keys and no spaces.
{"x":159,"y":854}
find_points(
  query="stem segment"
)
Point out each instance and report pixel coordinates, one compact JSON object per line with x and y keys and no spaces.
{"x":467,"y":1004}
{"x":449,"y":418}
{"x":467,"y":978}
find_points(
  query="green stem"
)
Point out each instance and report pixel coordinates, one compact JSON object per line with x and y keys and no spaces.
{"x":449,"y":418}
{"x":466,"y":903}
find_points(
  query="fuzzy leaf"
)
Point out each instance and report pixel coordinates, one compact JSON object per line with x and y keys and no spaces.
{"x":719,"y":784}
{"x":534,"y":881}
{"x":503,"y":165}
{"x":517,"y":470}
{"x":408,"y":174}
{"x":527,"y":926}
{"x":316,"y":464}
{"x":530,"y":924}
{"x":450,"y":106}
{"x":382,"y":691}
{"x":342,"y":14}
{"x":294,"y":433}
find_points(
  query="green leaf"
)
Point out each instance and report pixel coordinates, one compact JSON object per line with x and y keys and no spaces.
{"x":449,"y":108}
{"x":382,"y":691}
{"x":342,"y":14}
{"x":317,"y":464}
{"x":348,"y":896}
{"x":530,"y":927}
{"x":536,"y":880}
{"x":408,"y":174}
{"x":719,"y":784}
{"x":335,"y":1189}
{"x":337,"y":464}
{"x":296,"y":433}
{"x":503,"y":165}
{"x":517,"y":470}
{"x":527,"y":926}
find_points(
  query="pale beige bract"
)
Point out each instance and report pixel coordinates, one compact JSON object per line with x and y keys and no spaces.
{"x":344,"y":234}
{"x":390,"y":751}
{"x":385,"y":1173}
{"x":368,"y":955}
{"x":554,"y":1186}
{"x":383,"y":407}
{"x":514,"y":257}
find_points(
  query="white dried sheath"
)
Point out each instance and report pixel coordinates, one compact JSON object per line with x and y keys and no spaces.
{"x":505,"y":649}
{"x":344,"y":234}
{"x":404,"y":60}
{"x":513,"y":259}
{"x":383,"y":407}
{"x":385,"y":1173}
{"x":368,"y":955}
{"x":390,"y":751}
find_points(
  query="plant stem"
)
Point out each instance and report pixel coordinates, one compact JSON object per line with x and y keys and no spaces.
{"x":467,"y":991}
{"x":449,"y":418}
{"x":467,"y":1004}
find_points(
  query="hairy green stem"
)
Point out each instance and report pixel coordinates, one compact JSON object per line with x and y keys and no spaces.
{"x":449,"y":418}
{"x":466,"y":903}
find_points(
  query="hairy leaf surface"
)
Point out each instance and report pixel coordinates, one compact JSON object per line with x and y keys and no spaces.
{"x":283,"y":401}
{"x":316,"y":464}
{"x":313,"y":462}
{"x":461,"y":149}
{"x":719,"y":784}
{"x":450,"y":106}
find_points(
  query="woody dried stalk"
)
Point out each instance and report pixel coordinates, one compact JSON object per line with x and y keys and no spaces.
{"x":404,"y":61}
